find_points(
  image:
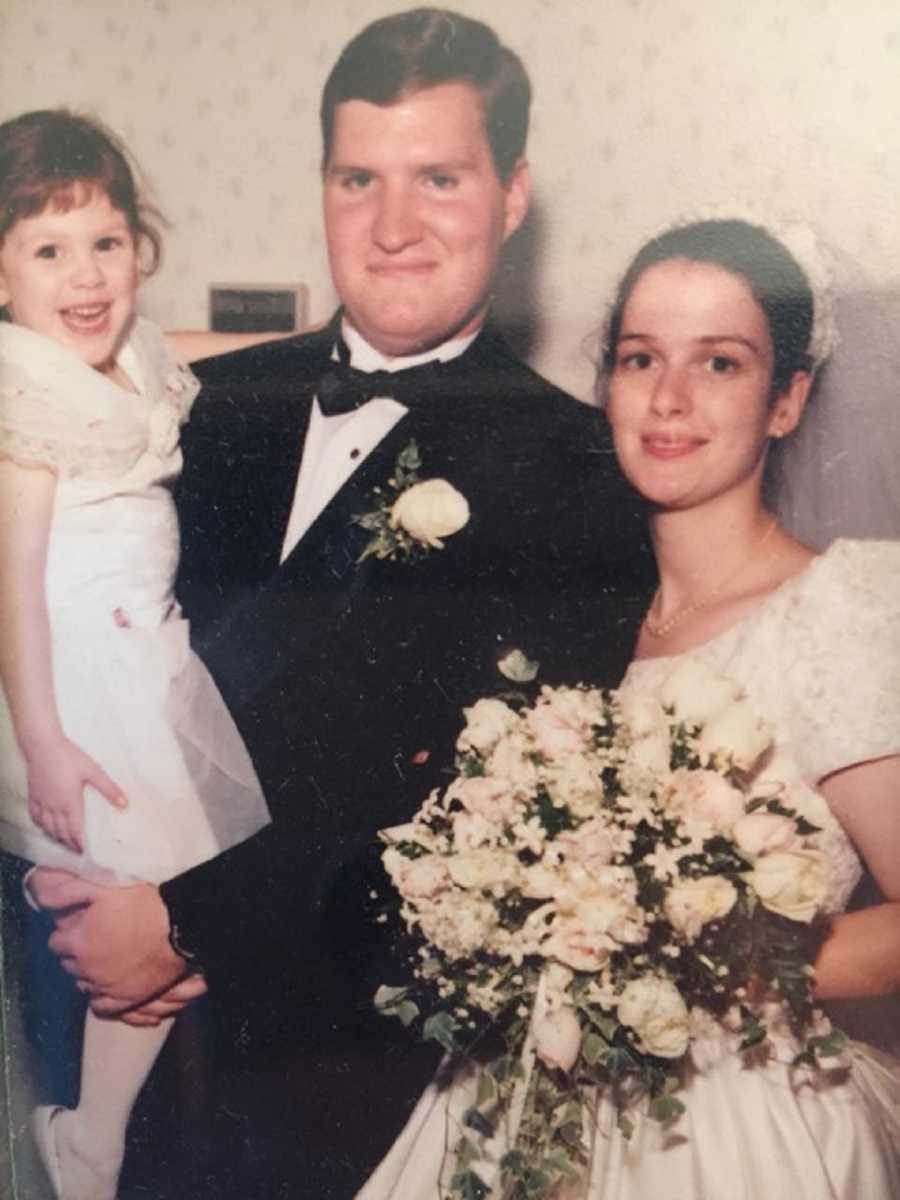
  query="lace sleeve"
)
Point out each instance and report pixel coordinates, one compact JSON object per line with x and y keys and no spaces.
{"x":844,"y":636}
{"x":39,"y":427}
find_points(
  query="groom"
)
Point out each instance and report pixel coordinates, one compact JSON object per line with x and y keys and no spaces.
{"x":346,"y":672}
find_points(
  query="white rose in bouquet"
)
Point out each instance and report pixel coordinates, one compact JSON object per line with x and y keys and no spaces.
{"x":791,"y":883}
{"x":646,"y":762}
{"x":414,"y":876}
{"x":429,"y":511}
{"x":553,"y":735}
{"x":579,"y":944}
{"x":607,"y":899}
{"x":576,"y":782}
{"x":590,"y":845}
{"x":484,"y":869}
{"x":561,"y":721}
{"x":596,"y":913}
{"x":484,"y":797}
{"x":738,"y":733}
{"x":487,"y":721}
{"x":761,"y":833}
{"x":644,"y":715}
{"x":581,"y":708}
{"x":424,"y":877}
{"x":695,"y":693}
{"x":511,"y":760}
{"x":705,"y":796}
{"x":692,"y":903}
{"x":471,"y":830}
{"x":540,"y":882}
{"x":648,"y":752}
{"x":655,"y":1010}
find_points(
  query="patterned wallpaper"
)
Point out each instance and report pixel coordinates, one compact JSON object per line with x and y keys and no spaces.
{"x":644,"y":110}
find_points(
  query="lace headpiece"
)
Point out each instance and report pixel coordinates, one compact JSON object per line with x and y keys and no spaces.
{"x":803,"y":244}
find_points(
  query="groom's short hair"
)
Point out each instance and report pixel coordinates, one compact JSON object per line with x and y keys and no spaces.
{"x":405,"y":53}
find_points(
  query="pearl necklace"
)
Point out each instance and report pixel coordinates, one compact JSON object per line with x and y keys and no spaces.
{"x":659,"y":630}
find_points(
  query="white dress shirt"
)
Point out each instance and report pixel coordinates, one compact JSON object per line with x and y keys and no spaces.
{"x":335,"y":446}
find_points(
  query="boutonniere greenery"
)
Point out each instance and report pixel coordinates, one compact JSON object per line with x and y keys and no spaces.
{"x":411,"y":515}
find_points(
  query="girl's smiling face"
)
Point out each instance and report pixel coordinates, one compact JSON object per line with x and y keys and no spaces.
{"x":689,"y":394}
{"x":72,"y":275}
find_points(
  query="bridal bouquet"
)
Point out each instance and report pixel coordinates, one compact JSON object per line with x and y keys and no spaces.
{"x":602,"y":881}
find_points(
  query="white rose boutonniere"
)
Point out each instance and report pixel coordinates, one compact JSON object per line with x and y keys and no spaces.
{"x":429,"y":511}
{"x":412,"y":515}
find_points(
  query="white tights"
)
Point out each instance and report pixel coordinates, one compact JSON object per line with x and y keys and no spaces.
{"x":90,"y":1140}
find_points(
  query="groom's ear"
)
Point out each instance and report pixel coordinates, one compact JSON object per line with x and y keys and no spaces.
{"x":789,"y":405}
{"x":517,"y":191}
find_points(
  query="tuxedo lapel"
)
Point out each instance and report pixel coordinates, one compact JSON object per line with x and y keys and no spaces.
{"x":332,"y":545}
{"x":275,"y":472}
{"x":244,"y":445}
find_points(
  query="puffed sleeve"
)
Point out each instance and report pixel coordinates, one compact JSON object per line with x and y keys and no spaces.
{"x":841,"y":658}
{"x":58,"y":428}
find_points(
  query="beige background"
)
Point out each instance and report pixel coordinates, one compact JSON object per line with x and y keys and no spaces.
{"x":645,"y":110}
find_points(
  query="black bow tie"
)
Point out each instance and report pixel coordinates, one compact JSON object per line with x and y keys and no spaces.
{"x":343,"y":388}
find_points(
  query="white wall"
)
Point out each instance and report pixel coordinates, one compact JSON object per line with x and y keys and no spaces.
{"x":644,"y":110}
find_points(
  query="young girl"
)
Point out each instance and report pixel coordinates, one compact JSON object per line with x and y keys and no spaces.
{"x":118,"y":758}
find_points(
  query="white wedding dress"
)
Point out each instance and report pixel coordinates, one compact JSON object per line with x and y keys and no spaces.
{"x":128,"y":688}
{"x":820,"y":657}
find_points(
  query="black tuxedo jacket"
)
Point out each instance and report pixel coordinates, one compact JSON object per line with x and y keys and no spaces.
{"x":346,"y":678}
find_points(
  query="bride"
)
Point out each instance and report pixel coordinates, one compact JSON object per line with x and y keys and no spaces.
{"x":707,"y":362}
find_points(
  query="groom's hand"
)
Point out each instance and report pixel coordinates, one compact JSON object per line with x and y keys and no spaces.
{"x":169,"y":1004}
{"x":113,"y":940}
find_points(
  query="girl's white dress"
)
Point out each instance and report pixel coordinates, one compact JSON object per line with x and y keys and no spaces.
{"x":129,"y":690}
{"x":820,"y":658}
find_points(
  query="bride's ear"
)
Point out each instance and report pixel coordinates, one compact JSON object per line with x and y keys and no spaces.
{"x":789,"y":405}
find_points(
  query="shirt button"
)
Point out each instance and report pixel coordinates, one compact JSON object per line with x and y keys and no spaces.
{"x":354,"y":454}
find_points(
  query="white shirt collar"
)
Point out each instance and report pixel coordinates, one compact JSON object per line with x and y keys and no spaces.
{"x":366,"y":358}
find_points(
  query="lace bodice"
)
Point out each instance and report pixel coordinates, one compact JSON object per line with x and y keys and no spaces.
{"x":57,"y":411}
{"x":820,"y":659}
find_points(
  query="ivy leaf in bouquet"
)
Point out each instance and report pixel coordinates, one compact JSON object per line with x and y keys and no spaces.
{"x":606,"y":878}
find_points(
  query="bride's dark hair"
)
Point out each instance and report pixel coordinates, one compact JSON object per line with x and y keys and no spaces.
{"x":779,"y":286}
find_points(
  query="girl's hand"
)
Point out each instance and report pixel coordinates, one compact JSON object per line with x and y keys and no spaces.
{"x":58,"y":773}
